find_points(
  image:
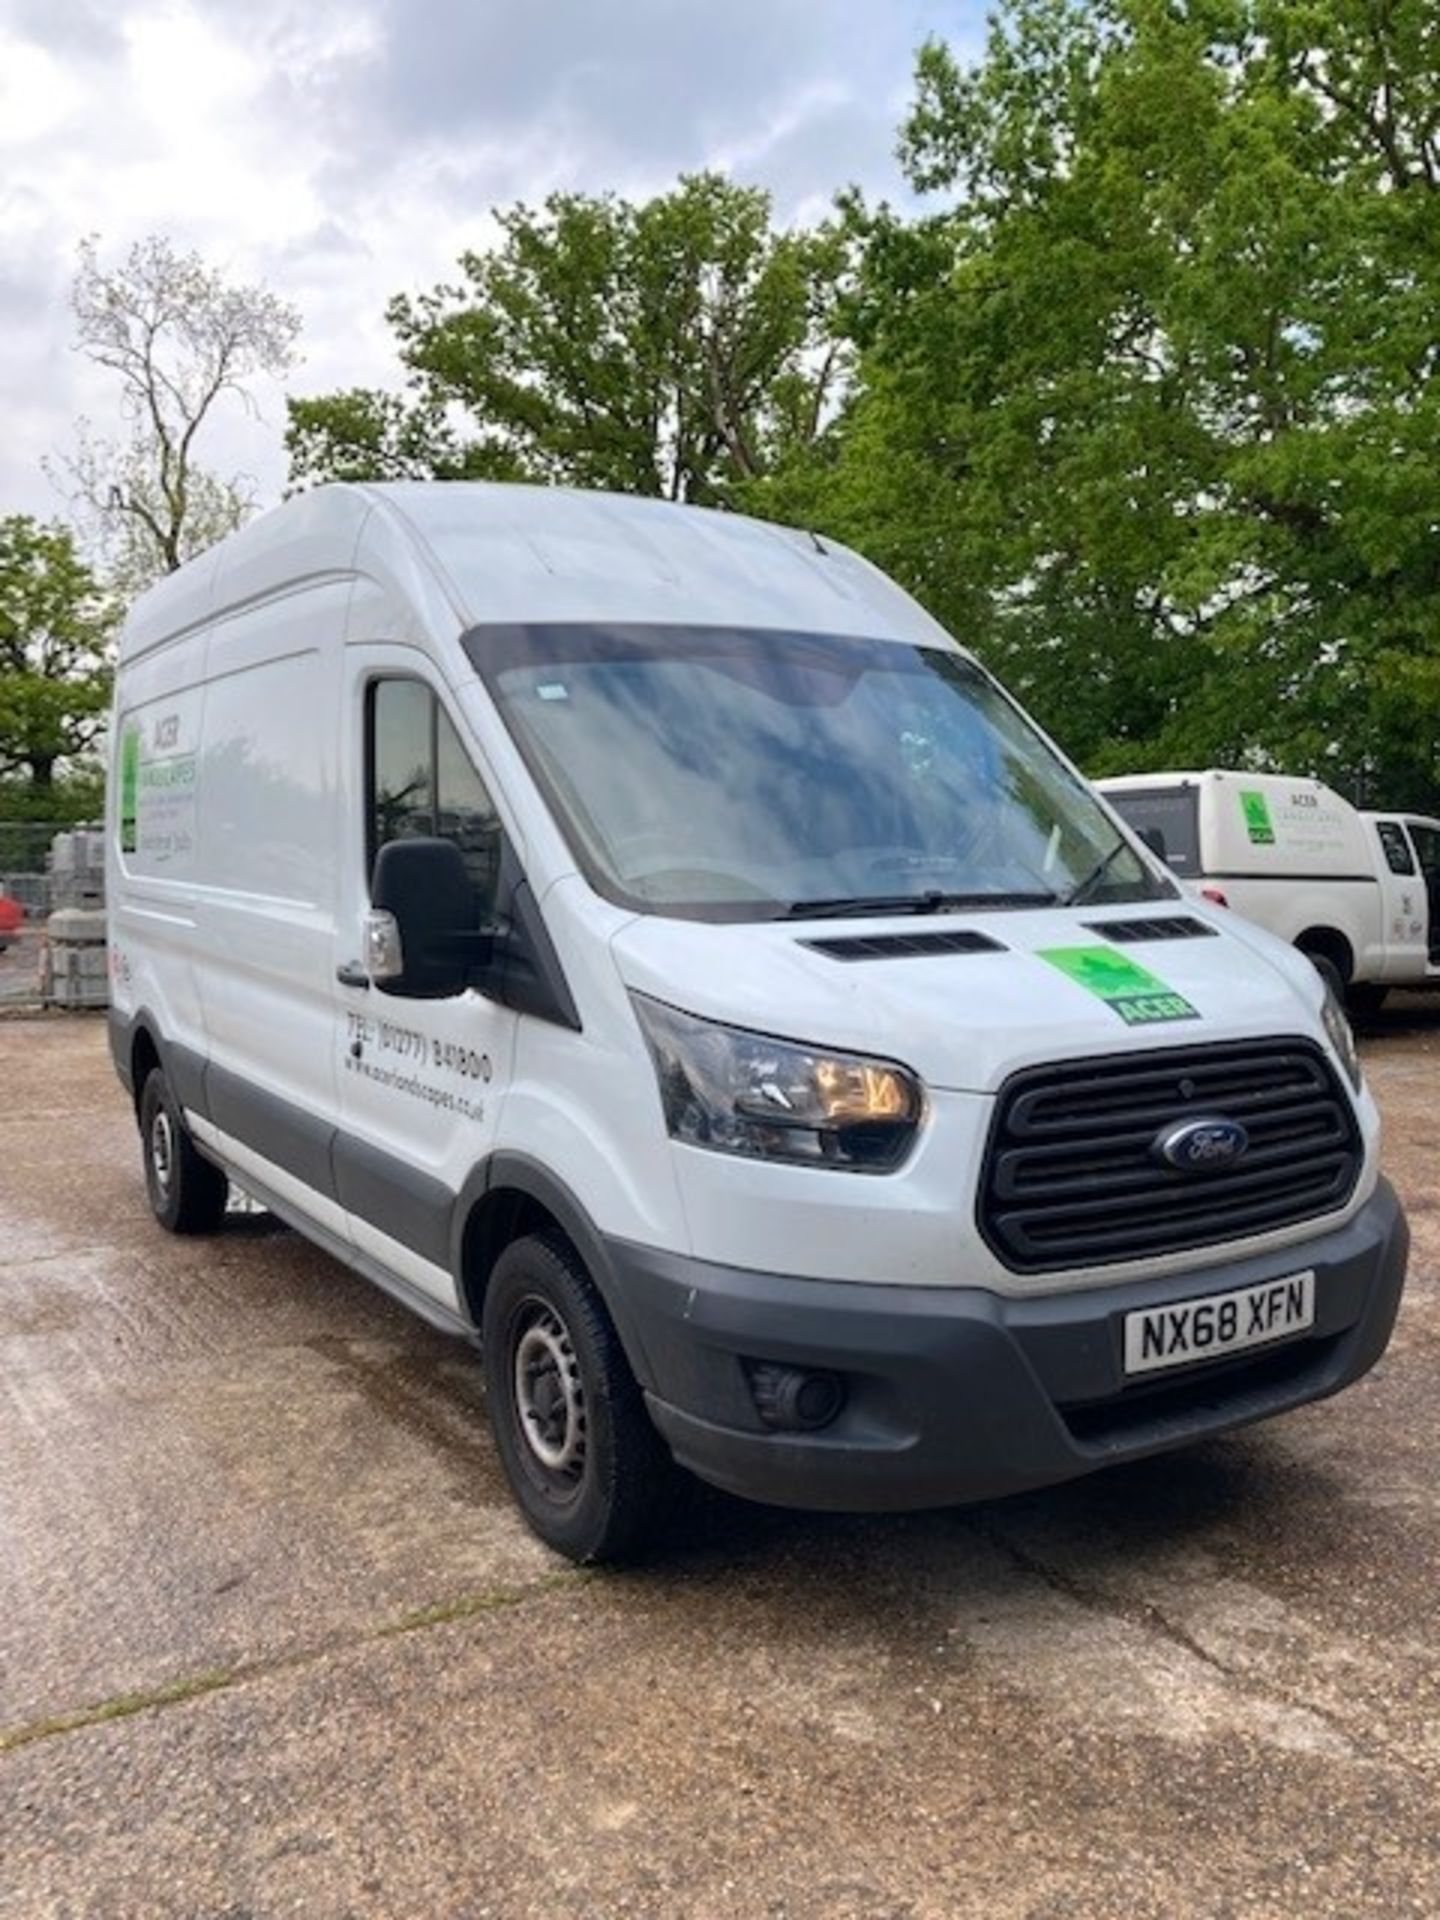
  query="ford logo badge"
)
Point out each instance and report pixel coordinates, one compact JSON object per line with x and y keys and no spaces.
{"x":1202,"y":1146}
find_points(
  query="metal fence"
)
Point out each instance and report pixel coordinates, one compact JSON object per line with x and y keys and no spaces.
{"x":42,"y":871}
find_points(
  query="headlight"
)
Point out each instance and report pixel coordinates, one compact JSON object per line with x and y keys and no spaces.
{"x":1341,"y":1038}
{"x":740,"y":1092}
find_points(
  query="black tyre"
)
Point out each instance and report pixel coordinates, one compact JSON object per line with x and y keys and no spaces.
{"x":1328,"y":972}
{"x":590,"y":1473}
{"x":187,"y":1191}
{"x":1365,"y":1000}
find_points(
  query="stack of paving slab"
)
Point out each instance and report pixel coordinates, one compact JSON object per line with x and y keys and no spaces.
{"x":76,"y":969}
{"x":77,"y":869}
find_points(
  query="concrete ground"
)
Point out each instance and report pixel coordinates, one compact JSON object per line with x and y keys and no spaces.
{"x":272,"y":1640}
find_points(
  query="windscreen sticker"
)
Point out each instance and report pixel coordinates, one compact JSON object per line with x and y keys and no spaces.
{"x":1139,"y":997}
{"x":1258,"y":824}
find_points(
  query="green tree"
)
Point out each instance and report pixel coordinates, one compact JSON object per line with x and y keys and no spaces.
{"x":55,"y":625}
{"x":367,"y":434}
{"x":1149,"y":410}
{"x":679,"y":347}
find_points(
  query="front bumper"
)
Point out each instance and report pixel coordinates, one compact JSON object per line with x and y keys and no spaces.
{"x":960,"y":1394}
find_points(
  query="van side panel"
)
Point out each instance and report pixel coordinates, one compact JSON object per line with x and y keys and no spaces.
{"x":267,"y":899}
{"x":1260,"y":826}
{"x":151,"y":839}
{"x":1294,"y":857}
{"x":1292,"y":908}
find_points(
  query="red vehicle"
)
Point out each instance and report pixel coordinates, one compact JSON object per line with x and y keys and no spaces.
{"x":11,"y":914}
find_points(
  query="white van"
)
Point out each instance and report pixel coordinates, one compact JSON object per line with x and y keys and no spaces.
{"x":641,"y":938}
{"x":1359,"y":893}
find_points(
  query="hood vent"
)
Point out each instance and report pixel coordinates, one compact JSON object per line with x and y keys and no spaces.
{"x":903,"y":946}
{"x":1177,"y":926}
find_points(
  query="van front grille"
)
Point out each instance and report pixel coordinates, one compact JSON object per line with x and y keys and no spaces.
{"x":1073,"y":1177}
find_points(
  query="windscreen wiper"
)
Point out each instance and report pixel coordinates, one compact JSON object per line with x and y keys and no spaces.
{"x":1096,"y":874}
{"x":853,"y":906}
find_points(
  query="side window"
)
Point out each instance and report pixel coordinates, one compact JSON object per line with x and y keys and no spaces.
{"x":422,"y":782}
{"x":402,"y":762}
{"x":1396,"y":847}
{"x":1427,"y":845}
{"x":464,"y":814}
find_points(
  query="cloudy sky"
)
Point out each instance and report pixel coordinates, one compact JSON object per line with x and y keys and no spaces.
{"x":343,"y":150}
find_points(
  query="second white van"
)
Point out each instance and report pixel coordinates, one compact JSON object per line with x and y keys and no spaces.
{"x":642,"y":941}
{"x":1359,"y":893}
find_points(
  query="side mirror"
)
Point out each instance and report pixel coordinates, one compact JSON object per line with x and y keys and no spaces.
{"x":423,"y":940}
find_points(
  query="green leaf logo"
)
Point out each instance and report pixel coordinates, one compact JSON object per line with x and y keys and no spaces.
{"x":1137,"y":996}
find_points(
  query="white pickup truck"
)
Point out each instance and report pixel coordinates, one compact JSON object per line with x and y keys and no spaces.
{"x":1358,"y":892}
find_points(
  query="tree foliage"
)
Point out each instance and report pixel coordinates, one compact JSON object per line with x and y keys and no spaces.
{"x":180,"y":341}
{"x":1145,"y":404}
{"x":1148,"y":410}
{"x":680,"y":347}
{"x":55,"y":625}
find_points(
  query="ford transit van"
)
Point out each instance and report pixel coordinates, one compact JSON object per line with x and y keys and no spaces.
{"x":642,"y":941}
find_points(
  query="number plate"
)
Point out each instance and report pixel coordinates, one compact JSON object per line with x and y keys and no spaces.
{"x":1220,"y":1323}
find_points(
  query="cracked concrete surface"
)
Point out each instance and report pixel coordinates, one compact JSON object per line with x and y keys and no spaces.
{"x":273,"y":1641}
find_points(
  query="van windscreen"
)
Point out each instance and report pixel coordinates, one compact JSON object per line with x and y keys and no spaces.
{"x":728,"y":774}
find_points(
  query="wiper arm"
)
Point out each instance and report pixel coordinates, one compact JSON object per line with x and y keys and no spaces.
{"x":847,"y":905}
{"x":1096,"y":874}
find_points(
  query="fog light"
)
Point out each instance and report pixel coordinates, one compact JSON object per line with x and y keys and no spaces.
{"x":796,"y":1399}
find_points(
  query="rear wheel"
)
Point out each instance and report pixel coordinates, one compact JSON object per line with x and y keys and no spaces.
{"x":187,"y":1192}
{"x":589,"y":1471}
{"x":1366,"y":1000}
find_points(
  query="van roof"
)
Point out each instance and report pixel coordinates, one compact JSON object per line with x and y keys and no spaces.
{"x":487,"y":552}
{"x":1206,"y":776}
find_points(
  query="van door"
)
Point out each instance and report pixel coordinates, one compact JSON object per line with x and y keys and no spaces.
{"x":421,"y":1081}
{"x":1402,"y":884}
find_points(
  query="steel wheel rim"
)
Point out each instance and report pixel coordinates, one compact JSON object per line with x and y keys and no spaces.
{"x":549,"y":1397}
{"x":162,"y":1150}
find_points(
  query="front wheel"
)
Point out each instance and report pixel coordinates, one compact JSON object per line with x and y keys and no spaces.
{"x":1365,"y":999}
{"x":187,"y":1192}
{"x":589,"y":1471}
{"x":1328,"y":972}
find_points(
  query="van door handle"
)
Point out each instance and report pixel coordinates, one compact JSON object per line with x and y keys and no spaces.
{"x":352,"y":974}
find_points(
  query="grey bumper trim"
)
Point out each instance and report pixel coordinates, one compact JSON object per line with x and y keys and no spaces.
{"x":960,"y":1394}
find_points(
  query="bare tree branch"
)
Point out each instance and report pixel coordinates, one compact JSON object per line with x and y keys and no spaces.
{"x":179,"y":340}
